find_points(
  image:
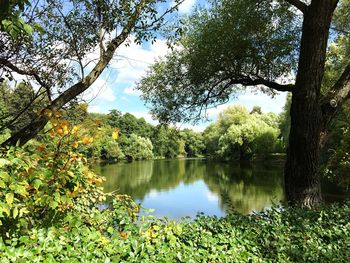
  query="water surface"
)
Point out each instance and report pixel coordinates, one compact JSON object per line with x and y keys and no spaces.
{"x":184,"y":187}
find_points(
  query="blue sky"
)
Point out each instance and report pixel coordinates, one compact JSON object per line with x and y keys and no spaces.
{"x":114,"y":88}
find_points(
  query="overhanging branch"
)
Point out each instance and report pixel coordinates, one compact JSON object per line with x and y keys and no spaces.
{"x":248,"y":81}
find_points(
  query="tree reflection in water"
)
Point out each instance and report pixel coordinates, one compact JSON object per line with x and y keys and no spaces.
{"x":234,"y":186}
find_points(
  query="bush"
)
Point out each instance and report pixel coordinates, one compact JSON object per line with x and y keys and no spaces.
{"x":41,"y":182}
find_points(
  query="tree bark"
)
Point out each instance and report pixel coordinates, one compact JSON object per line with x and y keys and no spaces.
{"x":302,"y":176}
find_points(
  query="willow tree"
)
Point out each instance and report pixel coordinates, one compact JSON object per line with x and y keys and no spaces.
{"x":237,"y":44}
{"x":68,"y":44}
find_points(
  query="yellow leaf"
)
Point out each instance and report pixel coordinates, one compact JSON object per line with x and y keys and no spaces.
{"x":52,"y":135}
{"x":53,"y":121}
{"x":58,"y":114}
{"x":87,"y":140}
{"x":115,"y":135}
{"x":9,"y":198}
{"x":47,"y":112}
{"x":124,"y":235}
{"x":75,"y":129}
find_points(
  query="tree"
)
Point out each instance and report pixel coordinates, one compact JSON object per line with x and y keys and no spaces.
{"x":19,"y":105}
{"x":255,"y":44}
{"x":137,"y":148}
{"x":240,"y":135}
{"x":193,"y":142}
{"x":57,"y":58}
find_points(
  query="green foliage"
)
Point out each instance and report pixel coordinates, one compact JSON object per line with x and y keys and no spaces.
{"x":336,"y":154}
{"x":227,"y":43}
{"x":193,"y":142}
{"x":239,"y":135}
{"x":284,"y":122}
{"x":10,"y":20}
{"x":42,"y":181}
{"x":137,"y":148}
{"x":111,"y":150}
{"x":291,"y":235}
{"x":166,"y":141}
{"x":20,"y":105}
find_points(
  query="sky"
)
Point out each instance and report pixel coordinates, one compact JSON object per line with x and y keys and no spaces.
{"x":114,"y":89}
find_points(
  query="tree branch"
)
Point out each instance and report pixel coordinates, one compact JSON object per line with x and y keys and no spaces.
{"x":248,"y":81}
{"x":9,"y":65}
{"x":163,"y":15}
{"x":298,"y":4}
{"x":334,"y":99}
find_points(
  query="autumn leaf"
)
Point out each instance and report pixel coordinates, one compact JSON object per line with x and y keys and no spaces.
{"x":115,"y":134}
{"x":87,"y":140}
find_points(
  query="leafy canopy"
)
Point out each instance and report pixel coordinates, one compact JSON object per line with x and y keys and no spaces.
{"x":232,"y":42}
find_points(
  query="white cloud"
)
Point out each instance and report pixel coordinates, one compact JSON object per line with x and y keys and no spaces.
{"x":146,"y":115}
{"x":132,"y":61}
{"x":97,"y":109}
{"x":99,"y":90}
{"x":250,"y":100}
{"x":211,"y":197}
{"x":187,"y":6}
{"x":153,"y":194}
{"x":196,"y":128}
{"x":213,"y":112}
{"x":132,"y":91}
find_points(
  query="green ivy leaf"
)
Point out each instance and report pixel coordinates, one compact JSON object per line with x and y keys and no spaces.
{"x":53,"y":204}
{"x":2,"y":184}
{"x":4,"y":162}
{"x":15,"y":212}
{"x":37,"y":183}
{"x":21,"y":190}
{"x":9,"y":198}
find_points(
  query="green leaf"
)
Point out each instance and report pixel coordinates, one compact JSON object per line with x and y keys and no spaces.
{"x":110,"y":230}
{"x":28,"y":29}
{"x":15,"y":212}
{"x":20,"y":189}
{"x":2,"y":184}
{"x":37,"y":183}
{"x":53,"y":204}
{"x":4,"y":162}
{"x":5,"y":176}
{"x":22,"y":211}
{"x":5,"y":208}
{"x":9,"y":198}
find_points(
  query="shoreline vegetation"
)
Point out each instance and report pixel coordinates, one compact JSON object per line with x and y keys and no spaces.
{"x":49,"y":213}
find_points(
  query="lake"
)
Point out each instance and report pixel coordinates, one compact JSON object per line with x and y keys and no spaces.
{"x":183,"y":187}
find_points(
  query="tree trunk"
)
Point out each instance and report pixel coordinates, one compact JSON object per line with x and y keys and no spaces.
{"x":302,"y":177}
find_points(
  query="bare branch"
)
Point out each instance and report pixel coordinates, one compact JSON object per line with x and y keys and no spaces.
{"x":298,"y":4}
{"x":170,"y":10}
